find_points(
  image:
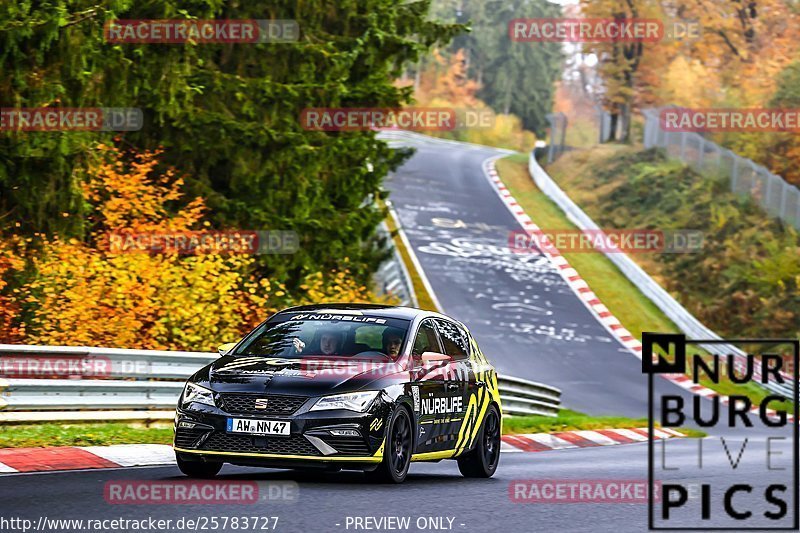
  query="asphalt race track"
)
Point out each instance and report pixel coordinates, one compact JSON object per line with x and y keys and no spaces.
{"x":530,"y":324}
{"x":431,"y":490}
{"x":521,"y":311}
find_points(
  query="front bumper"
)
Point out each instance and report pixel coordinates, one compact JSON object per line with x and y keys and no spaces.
{"x":337,"y":437}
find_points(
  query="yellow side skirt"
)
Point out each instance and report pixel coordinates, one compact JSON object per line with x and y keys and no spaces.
{"x":372,"y":459}
{"x":428,"y":456}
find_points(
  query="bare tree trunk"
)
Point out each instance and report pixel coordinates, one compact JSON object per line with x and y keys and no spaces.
{"x":625,"y":130}
{"x":612,"y":130}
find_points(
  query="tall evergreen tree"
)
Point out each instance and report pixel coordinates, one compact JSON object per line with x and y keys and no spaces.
{"x":226,"y":115}
{"x":515,"y":77}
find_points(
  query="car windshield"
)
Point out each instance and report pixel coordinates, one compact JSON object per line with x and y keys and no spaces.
{"x":303,"y":335}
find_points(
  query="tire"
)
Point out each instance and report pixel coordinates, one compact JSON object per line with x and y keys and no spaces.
{"x":482,"y":461}
{"x":198,"y":469}
{"x":397,"y":450}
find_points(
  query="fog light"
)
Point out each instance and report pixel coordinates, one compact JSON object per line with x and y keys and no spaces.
{"x":345,"y":432}
{"x":186,"y":424}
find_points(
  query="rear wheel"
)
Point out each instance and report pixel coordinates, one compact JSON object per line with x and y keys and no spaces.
{"x":483,"y":459}
{"x":198,"y":469}
{"x":397,"y":450}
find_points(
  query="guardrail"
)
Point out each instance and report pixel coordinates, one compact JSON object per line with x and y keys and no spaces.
{"x":682,"y":318}
{"x":113,"y":362}
{"x":774,"y":194}
{"x":75,"y":394}
{"x":523,"y":397}
{"x":392,"y":276}
{"x":145,"y":385}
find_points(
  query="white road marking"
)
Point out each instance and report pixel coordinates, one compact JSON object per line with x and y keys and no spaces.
{"x":134,"y":454}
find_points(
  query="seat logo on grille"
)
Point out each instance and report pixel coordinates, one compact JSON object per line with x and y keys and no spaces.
{"x":261,"y":403}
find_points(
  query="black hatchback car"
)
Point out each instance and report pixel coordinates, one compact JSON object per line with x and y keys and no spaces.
{"x":364,"y":387}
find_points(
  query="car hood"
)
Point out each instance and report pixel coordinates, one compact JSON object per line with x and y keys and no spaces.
{"x":308,"y":376}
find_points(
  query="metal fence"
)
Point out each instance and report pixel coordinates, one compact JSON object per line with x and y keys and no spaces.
{"x":682,"y":318}
{"x":771,"y":192}
{"x":146,"y":385}
{"x":558,"y":135}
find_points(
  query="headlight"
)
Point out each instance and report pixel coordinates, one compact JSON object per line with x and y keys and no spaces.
{"x":195,"y":393}
{"x":354,"y":401}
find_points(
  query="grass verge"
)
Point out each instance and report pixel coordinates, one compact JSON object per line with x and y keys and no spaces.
{"x":632,"y":308}
{"x":87,"y":434}
{"x":107,"y":433}
{"x":568,"y":420}
{"x":424,"y":299}
{"x":636,"y":312}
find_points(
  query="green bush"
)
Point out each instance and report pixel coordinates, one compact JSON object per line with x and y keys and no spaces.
{"x":745,"y":280}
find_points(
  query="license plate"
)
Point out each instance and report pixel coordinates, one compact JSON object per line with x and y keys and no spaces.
{"x":258,"y":427}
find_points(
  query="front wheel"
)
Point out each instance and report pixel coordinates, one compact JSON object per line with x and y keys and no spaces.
{"x":397,"y":450}
{"x":483,"y":459}
{"x":198,"y":469}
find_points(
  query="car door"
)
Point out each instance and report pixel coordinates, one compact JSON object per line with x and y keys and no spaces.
{"x":459,"y":377}
{"x":428,"y":389}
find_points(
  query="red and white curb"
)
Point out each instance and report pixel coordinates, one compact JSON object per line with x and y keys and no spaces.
{"x":585,"y":293}
{"x":14,"y":460}
{"x":542,"y":442}
{"x":21,"y":460}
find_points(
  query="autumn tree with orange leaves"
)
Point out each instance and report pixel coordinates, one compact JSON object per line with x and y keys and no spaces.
{"x":734,"y":61}
{"x":85,"y":293}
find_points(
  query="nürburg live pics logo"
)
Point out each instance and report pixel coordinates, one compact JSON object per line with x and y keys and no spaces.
{"x":744,"y":475}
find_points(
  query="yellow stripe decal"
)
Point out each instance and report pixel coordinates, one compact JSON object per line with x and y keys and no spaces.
{"x":469,"y":420}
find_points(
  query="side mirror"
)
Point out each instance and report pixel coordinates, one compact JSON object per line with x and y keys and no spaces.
{"x":435,"y":357}
{"x":225,"y":348}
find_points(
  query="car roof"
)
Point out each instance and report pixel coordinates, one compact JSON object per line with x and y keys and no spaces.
{"x":377,"y":310}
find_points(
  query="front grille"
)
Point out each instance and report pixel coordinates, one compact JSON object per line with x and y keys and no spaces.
{"x":226,"y":442}
{"x":246,"y":403}
{"x":347,"y":445}
{"x":187,"y":437}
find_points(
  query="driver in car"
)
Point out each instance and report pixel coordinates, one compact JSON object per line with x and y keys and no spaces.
{"x":329,"y":343}
{"x":392,"y":341}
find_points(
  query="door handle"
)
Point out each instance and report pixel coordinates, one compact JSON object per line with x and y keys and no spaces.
{"x":480,"y":384}
{"x":453,"y":386}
